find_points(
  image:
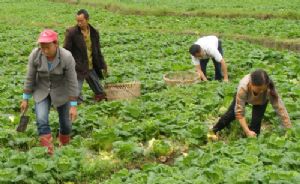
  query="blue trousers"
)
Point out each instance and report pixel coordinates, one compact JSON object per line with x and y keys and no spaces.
{"x":42,"y":110}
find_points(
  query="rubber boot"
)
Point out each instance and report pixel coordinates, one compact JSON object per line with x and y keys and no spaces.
{"x":46,"y":141}
{"x":64,"y":139}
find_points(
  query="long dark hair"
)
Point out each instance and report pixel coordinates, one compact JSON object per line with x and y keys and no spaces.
{"x":260,"y":77}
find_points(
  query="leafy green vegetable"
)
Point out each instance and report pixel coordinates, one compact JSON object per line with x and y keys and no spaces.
{"x":123,"y":141}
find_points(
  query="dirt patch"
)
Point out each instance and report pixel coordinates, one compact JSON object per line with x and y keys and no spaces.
{"x":292,"y":45}
{"x":161,"y":12}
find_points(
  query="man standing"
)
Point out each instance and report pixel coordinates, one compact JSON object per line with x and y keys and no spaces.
{"x":51,"y":79}
{"x":202,"y":50}
{"x":83,"y":42}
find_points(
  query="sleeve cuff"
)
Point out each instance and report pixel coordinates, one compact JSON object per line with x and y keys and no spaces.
{"x":26,"y":96}
{"x":220,"y":59}
{"x":196,"y":63}
{"x":73,"y":103}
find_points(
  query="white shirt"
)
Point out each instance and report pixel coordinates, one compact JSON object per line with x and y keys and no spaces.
{"x":209,"y":44}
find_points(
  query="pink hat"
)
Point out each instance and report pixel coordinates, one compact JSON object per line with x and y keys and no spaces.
{"x":48,"y":36}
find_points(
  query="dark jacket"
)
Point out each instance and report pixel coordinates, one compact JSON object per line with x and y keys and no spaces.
{"x":74,"y":42}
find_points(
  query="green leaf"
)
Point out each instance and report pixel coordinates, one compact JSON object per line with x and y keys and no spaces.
{"x":39,"y":165}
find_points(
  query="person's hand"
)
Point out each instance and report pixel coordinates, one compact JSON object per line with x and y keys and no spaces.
{"x":105,"y":72}
{"x":250,"y":133}
{"x":212,"y":136}
{"x":24,"y":106}
{"x":202,"y":76}
{"x":73,"y":113}
{"x":226,"y":80}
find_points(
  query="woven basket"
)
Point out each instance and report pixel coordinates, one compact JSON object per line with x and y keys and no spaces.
{"x":121,"y":91}
{"x":181,"y":78}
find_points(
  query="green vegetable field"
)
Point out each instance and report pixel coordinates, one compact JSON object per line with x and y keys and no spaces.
{"x":160,"y":137}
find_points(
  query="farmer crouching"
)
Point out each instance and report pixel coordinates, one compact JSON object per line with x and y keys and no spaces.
{"x":258,"y":90}
{"x":51,"y":80}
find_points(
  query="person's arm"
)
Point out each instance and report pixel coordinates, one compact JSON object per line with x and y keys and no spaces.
{"x":244,"y":125}
{"x":68,"y":40}
{"x":102,"y":61}
{"x":281,"y":111}
{"x":71,"y":78}
{"x":200,"y":73}
{"x":31,"y":73}
{"x":29,"y":81}
{"x":196,"y":63}
{"x":240,"y":112}
{"x":224,"y":70}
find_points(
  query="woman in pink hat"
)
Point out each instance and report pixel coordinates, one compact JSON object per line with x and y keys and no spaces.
{"x":51,"y":80}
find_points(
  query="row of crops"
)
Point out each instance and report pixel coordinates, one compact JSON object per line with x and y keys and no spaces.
{"x":161,"y":137}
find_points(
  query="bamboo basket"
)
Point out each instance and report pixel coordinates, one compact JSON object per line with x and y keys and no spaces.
{"x":122,"y":91}
{"x":181,"y":78}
